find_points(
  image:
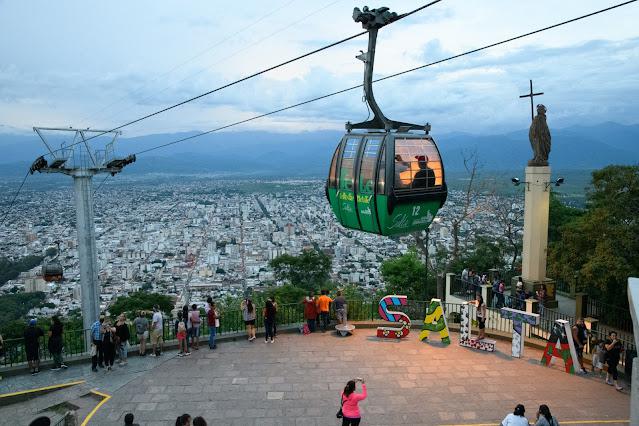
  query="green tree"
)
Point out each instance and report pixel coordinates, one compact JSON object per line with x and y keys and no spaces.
{"x":407,"y":275}
{"x":141,"y":301}
{"x":284,"y":295}
{"x":14,"y":307}
{"x":9,"y":270}
{"x":310,"y":270}
{"x":601,"y":246}
{"x":560,"y":215}
{"x":487,"y":254}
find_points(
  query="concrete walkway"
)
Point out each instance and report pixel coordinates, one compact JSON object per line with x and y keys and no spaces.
{"x":297,"y":380}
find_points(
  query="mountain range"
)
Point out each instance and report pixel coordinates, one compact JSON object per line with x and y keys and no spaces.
{"x":255,"y":153}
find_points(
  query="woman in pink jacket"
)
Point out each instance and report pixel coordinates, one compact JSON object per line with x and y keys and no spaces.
{"x":350,"y":401}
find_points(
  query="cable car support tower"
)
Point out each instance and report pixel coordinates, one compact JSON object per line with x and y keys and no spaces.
{"x":81,"y":161}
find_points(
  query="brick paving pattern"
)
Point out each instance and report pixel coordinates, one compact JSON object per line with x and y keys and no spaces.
{"x":297,"y":380}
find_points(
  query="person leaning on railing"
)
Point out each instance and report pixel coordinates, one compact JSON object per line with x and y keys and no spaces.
{"x":55,"y":343}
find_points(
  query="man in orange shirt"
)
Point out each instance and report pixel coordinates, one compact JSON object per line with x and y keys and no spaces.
{"x":323,"y":307}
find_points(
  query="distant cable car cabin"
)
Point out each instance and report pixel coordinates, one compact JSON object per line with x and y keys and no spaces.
{"x":390,"y":179}
{"x":52,"y":269}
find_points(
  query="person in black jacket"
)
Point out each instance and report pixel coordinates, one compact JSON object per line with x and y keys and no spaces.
{"x":32,"y":346}
{"x":56,"y":343}
{"x":108,"y":344}
{"x":613,"y":355}
{"x":123,"y":335}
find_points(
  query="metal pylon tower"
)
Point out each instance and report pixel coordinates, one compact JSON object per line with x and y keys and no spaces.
{"x":82,"y":161}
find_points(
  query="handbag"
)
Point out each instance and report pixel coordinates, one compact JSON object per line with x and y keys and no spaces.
{"x":340,"y":414}
{"x":94,"y":350}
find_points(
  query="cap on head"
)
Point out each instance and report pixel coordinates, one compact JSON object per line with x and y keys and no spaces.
{"x":33,"y":321}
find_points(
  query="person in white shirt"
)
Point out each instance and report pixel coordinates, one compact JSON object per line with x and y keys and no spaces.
{"x":156,"y":332}
{"x":516,"y":418}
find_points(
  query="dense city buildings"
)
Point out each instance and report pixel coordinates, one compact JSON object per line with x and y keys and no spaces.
{"x":194,"y":237}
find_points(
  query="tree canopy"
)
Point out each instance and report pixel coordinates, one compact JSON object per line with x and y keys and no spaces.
{"x":141,"y":301}
{"x":14,"y":308}
{"x":407,"y":275}
{"x":310,"y":270}
{"x":600,"y":247}
{"x":10,"y":270}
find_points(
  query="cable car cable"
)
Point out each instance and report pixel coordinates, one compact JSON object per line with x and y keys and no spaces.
{"x":192,"y":58}
{"x":383,"y":78}
{"x":15,"y":196}
{"x":235,"y":53}
{"x":256,"y":74}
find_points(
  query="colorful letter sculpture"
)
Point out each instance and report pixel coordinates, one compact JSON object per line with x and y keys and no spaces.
{"x":435,"y":321}
{"x":518,"y":318}
{"x":393,"y":316}
{"x":465,"y":338}
{"x":561,"y":345}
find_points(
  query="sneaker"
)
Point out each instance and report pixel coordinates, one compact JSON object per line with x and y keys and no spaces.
{"x":33,"y":373}
{"x":37,"y":370}
{"x":583,"y":370}
{"x":619,"y":388}
{"x":266,"y":341}
{"x":109,"y":368}
{"x":609,"y":383}
{"x":272,"y":340}
{"x":55,"y":368}
{"x":123,"y":363}
{"x":214,"y":346}
{"x":64,"y":366}
{"x":94,"y":369}
{"x":180,"y":354}
{"x":153,"y":355}
{"x":187,"y":354}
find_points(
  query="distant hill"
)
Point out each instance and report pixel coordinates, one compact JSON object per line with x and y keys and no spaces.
{"x":308,"y":154}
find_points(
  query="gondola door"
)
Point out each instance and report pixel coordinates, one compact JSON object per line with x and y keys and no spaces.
{"x":346,"y":182}
{"x":366,"y":183}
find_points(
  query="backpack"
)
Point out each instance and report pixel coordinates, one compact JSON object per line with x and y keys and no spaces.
{"x":210,"y":318}
{"x":181,"y":327}
{"x":195,"y":318}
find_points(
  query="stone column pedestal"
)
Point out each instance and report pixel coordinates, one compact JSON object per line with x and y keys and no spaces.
{"x":535,"y":244}
{"x":536,"y":207}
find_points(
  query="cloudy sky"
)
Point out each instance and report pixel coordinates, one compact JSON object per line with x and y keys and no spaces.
{"x":99,"y":64}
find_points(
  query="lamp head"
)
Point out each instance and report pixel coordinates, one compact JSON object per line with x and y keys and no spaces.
{"x":559,"y":181}
{"x":515,"y":181}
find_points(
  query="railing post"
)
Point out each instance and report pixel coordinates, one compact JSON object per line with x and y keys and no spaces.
{"x":591,"y":326}
{"x":449,"y":282}
{"x":581,"y":310}
{"x":487,"y":294}
{"x":532,"y":306}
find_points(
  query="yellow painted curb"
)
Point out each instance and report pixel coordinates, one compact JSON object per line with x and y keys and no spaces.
{"x":105,"y":398}
{"x":46,"y":388}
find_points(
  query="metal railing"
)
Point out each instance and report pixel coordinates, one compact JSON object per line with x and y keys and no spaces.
{"x":610,"y":315}
{"x":464,"y":289}
{"x":231,"y":322}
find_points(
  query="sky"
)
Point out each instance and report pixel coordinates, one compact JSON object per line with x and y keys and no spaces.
{"x":101,"y":64}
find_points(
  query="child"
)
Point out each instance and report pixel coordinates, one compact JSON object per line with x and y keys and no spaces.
{"x":180,"y":333}
{"x":598,"y":356}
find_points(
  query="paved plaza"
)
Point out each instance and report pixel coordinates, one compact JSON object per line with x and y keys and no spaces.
{"x":297,"y":380}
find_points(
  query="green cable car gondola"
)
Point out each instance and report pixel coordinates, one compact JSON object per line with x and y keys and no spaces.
{"x":390,"y":179}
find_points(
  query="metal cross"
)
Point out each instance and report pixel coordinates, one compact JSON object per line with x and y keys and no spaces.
{"x":531,"y":95}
